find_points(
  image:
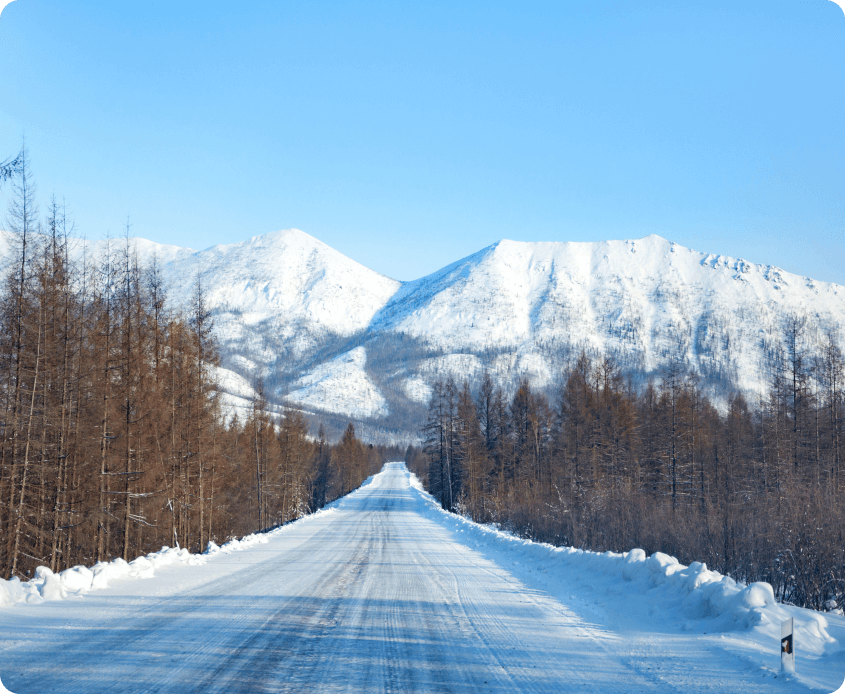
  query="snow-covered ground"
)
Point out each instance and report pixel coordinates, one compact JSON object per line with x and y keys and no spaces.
{"x":384,"y":592}
{"x":342,"y":386}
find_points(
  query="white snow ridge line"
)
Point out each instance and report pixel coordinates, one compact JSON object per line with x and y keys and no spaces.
{"x":46,"y":585}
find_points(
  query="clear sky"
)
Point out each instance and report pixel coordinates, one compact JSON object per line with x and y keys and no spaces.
{"x":410,"y":134}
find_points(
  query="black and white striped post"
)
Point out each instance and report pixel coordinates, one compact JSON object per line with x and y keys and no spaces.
{"x":787,"y":646}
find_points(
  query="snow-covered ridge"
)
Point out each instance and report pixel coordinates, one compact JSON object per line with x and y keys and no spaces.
{"x":287,"y":274}
{"x":288,"y":307}
{"x":612,"y":294}
{"x":46,"y":585}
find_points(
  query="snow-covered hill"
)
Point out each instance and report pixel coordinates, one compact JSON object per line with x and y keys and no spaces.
{"x":643,"y":300}
{"x":334,"y":337}
{"x":288,"y":276}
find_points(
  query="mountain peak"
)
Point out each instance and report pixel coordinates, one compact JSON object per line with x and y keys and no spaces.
{"x":286,"y":303}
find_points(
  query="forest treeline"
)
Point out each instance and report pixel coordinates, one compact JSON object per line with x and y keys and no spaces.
{"x":756,"y":492}
{"x":112,"y":439}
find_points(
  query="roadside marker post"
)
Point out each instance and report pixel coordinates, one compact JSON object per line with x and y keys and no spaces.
{"x":787,"y":645}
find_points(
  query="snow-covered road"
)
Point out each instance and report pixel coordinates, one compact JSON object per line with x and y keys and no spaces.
{"x":378,"y":595}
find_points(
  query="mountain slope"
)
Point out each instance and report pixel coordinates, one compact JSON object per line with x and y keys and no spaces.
{"x":642,"y":299}
{"x":329,"y":335}
{"x":287,"y":274}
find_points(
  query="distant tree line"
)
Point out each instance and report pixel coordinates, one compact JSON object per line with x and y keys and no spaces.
{"x":755,"y":491}
{"x":112,"y":439}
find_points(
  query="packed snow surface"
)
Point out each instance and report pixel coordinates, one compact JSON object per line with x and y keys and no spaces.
{"x":386,"y":592}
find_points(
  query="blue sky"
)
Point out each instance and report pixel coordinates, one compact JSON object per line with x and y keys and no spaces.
{"x":407,"y":135}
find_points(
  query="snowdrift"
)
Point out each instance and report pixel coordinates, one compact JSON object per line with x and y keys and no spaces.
{"x":46,"y":585}
{"x":78,"y":580}
{"x":636,"y":586}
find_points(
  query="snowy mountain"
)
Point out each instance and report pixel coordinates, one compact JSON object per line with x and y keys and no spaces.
{"x":333,"y":337}
{"x":640,"y":300}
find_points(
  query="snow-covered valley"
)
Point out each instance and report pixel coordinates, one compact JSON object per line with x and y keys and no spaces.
{"x":332,"y":337}
{"x":385,"y":592}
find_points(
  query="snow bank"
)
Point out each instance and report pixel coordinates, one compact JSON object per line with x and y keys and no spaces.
{"x":686,"y":598}
{"x":46,"y":585}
